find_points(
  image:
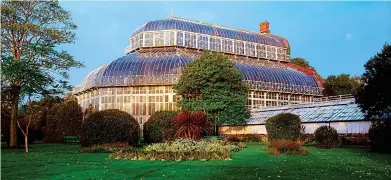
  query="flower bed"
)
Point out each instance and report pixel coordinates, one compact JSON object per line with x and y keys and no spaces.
{"x":180,"y":150}
{"x":107,"y":148}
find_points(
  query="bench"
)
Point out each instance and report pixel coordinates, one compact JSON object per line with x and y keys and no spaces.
{"x":211,"y":138}
{"x":70,"y":139}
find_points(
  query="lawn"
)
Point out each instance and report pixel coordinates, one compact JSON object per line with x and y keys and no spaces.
{"x":58,"y":161}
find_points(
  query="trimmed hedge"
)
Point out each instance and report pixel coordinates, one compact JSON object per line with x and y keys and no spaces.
{"x":63,"y":119}
{"x":284,"y":126}
{"x":110,"y":126}
{"x":326,"y":136}
{"x":160,"y":127}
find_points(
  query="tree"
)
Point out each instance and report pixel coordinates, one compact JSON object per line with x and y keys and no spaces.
{"x":30,"y":32}
{"x":341,"y":85}
{"x":302,"y":63}
{"x":374,"y":97}
{"x":211,"y":84}
{"x":26,"y":121}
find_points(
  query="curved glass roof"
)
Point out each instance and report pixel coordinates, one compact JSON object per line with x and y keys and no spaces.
{"x":209,"y":29}
{"x":134,"y":69}
{"x":284,"y":76}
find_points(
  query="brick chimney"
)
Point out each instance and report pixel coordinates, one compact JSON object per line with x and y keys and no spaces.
{"x":264,"y":27}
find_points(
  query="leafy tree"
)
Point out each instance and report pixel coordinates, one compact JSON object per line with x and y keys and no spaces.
{"x":374,"y":97}
{"x":211,"y":84}
{"x":341,"y":84}
{"x":30,"y":31}
{"x":302,"y":63}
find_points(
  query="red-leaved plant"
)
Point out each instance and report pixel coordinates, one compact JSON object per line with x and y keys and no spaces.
{"x":191,"y":125}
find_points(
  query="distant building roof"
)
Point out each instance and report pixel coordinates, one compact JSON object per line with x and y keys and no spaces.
{"x":328,"y":111}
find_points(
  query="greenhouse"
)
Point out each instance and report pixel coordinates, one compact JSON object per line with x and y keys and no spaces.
{"x":140,"y":82}
{"x":343,"y":114}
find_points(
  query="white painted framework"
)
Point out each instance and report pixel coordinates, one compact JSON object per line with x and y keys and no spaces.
{"x":206,"y":42}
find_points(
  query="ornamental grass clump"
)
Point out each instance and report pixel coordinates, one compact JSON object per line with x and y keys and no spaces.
{"x":192,"y":125}
{"x":182,"y":149}
{"x":326,"y":137}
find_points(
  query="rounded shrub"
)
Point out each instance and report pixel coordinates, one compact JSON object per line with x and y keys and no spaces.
{"x":326,"y":136}
{"x":284,"y":126}
{"x":110,"y":126}
{"x":160,"y":127}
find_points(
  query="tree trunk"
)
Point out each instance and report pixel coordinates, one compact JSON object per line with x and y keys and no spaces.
{"x":14,"y":113}
{"x":26,"y":142}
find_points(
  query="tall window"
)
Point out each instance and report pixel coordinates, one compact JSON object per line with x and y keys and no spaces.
{"x":261,"y":51}
{"x":268,"y":52}
{"x":169,"y":38}
{"x":202,"y":42}
{"x":227,"y":45}
{"x":148,"y":39}
{"x":250,"y":49}
{"x":179,"y":39}
{"x":159,"y":39}
{"x":215,"y":44}
{"x":273,"y":55}
{"x":239,"y":47}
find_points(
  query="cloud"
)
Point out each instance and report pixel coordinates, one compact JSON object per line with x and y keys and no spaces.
{"x":350,"y":36}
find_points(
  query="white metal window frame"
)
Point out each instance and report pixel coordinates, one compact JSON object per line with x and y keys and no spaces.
{"x":274,"y":52}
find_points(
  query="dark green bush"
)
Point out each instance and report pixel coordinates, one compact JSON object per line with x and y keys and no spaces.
{"x":380,"y":136}
{"x":284,"y":126}
{"x":110,"y":126}
{"x":326,"y":136}
{"x":63,"y":119}
{"x":160,"y":127}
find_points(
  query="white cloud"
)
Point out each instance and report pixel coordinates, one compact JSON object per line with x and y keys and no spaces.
{"x":350,"y":36}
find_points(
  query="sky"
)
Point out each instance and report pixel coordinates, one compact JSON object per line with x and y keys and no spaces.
{"x":335,"y":37}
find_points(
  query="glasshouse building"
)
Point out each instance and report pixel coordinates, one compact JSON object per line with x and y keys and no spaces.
{"x":140,"y":82}
{"x":341,"y":113}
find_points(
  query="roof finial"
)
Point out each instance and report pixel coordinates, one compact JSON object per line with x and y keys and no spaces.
{"x":171,"y":15}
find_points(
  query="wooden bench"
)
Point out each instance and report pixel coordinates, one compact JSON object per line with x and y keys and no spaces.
{"x":70,"y":139}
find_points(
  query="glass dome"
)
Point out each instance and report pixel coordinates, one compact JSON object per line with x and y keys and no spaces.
{"x":134,"y":69}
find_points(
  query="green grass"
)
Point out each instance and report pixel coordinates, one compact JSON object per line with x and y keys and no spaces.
{"x":58,"y":161}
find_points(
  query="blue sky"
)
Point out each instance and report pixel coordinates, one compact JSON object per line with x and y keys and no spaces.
{"x":335,"y":37}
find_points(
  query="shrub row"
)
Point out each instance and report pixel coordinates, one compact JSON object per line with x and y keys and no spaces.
{"x":63,"y":119}
{"x":171,"y":156}
{"x":286,"y":147}
{"x":182,"y":149}
{"x":245,"y":137}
